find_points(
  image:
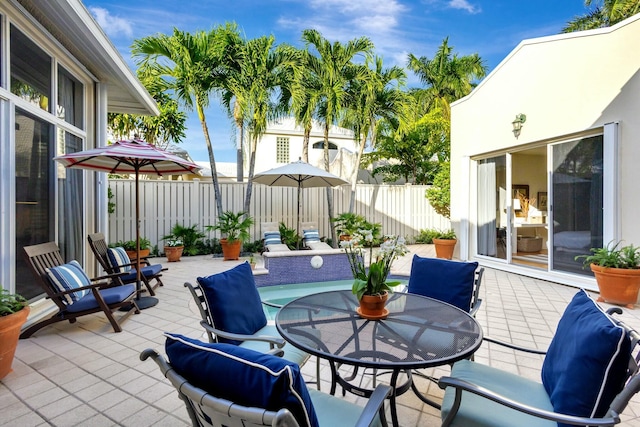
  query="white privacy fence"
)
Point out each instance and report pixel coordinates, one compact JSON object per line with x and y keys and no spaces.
{"x":402,"y":210}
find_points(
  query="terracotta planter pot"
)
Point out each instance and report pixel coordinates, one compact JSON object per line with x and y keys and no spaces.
{"x":231,"y":251}
{"x":173,"y":253}
{"x":9,"y":333}
{"x":617,"y":285}
{"x":373,"y":306}
{"x":143,"y":253}
{"x":445,"y":247}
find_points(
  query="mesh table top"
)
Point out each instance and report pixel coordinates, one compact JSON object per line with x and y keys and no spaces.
{"x":419,"y":332}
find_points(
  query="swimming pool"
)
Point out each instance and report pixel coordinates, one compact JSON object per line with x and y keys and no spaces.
{"x":282,"y":294}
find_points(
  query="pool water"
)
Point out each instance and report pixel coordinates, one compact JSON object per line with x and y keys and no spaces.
{"x":282,"y":294}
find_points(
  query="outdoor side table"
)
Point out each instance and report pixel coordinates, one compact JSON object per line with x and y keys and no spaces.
{"x":418,"y":333}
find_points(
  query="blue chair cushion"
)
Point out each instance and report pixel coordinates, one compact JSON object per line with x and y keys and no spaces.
{"x":243,"y":376}
{"x":110,"y":296}
{"x":69,"y":276}
{"x":586,"y":363}
{"x":233,"y":301}
{"x":119,"y":259}
{"x":272,"y":238}
{"x":477,"y":411}
{"x":310,"y":236}
{"x":148,"y":271}
{"x":444,"y":280}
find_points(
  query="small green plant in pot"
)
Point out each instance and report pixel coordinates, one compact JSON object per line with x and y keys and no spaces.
{"x":13,"y":313}
{"x":617,"y":272}
{"x":234,"y":228}
{"x":445,"y":243}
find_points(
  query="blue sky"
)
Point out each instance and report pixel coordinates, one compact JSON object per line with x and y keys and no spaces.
{"x":491,"y":28}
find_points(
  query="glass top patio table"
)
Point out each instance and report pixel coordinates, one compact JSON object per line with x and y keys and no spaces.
{"x":419,"y":332}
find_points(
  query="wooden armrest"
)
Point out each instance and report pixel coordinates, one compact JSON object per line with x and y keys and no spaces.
{"x":273,"y":341}
{"x":461,"y":385}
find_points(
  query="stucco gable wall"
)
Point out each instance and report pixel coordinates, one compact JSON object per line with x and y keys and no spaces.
{"x":564,"y":84}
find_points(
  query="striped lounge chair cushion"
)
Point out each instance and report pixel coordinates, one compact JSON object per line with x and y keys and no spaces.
{"x":272,"y":238}
{"x":310,"y":236}
{"x":119,"y":259}
{"x":69,"y":276}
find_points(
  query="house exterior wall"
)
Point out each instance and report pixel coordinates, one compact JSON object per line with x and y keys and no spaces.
{"x":568,"y":85}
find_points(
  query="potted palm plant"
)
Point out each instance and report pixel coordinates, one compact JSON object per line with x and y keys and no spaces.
{"x":13,"y":313}
{"x":617,"y":272}
{"x":445,"y":243}
{"x":130,"y":247}
{"x":347,"y":224}
{"x":234,"y":228}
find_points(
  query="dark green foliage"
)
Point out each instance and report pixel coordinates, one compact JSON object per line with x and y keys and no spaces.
{"x":627,"y":257}
{"x":253,"y":247}
{"x":290,"y":236}
{"x":189,"y":236}
{"x":10,"y":303}
{"x":439,"y":195}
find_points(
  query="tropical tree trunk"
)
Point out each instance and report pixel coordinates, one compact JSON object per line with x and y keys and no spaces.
{"x":354,"y":177}
{"x":252,"y":166}
{"x":334,"y":237}
{"x":305,"y":144}
{"x":212,"y":160}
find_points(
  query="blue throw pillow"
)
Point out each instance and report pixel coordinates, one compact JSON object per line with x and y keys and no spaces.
{"x":272,"y":238}
{"x":444,"y":280}
{"x":119,"y":259}
{"x":243,"y":376}
{"x":310,"y":236}
{"x":233,"y":301}
{"x":586,"y":364}
{"x":69,"y":276}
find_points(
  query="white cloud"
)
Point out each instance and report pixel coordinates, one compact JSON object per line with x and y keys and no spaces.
{"x":464,"y":5}
{"x":112,"y":25}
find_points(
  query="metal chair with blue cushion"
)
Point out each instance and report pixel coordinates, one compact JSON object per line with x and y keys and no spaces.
{"x":232,"y":313}
{"x":73,"y":292}
{"x":116,"y":260}
{"x":227,"y":385}
{"x":589,"y":374}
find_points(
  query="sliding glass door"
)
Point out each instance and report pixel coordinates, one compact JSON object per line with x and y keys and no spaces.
{"x":577,"y":200}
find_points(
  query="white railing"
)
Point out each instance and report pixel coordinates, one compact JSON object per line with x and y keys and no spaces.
{"x":401,"y":209}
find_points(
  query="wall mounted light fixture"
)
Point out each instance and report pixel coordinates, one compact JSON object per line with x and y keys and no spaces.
{"x":517,"y":124}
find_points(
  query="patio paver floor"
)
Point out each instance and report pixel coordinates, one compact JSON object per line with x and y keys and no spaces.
{"x":85,"y":374}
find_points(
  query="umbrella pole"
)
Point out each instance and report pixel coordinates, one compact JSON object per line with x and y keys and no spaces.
{"x":142,"y":302}
{"x":298,"y":225}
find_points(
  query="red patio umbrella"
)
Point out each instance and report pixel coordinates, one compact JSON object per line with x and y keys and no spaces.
{"x":131,"y":157}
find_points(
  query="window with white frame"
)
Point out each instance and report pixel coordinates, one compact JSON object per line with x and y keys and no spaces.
{"x":282,"y":150}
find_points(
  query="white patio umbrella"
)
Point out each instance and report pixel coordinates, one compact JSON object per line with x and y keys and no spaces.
{"x":298,"y":174}
{"x":131,"y":157}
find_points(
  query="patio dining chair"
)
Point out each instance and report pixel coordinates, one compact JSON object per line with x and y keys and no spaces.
{"x":226,"y":385}
{"x":116,"y":260}
{"x":232,"y":313}
{"x":589,"y":374}
{"x":75,"y":295}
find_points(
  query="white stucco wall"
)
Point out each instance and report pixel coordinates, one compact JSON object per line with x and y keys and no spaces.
{"x":566,"y":85}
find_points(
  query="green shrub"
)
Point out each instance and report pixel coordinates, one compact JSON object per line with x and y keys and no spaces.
{"x":427,"y":235}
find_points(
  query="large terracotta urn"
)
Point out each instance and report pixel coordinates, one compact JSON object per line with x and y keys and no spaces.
{"x":445,"y":247}
{"x":173,"y":253}
{"x":231,"y":251}
{"x":617,"y":285}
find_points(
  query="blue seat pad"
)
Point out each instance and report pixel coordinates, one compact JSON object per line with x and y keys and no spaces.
{"x":333,"y":411}
{"x":476,"y":411}
{"x":110,"y":295}
{"x":291,"y":353}
{"x":148,"y":271}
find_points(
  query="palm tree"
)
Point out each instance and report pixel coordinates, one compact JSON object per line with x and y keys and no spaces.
{"x":185,"y":62}
{"x":369,"y":100}
{"x":262,"y":70}
{"x":447,"y":76}
{"x":605,"y":14}
{"x":333,"y":68}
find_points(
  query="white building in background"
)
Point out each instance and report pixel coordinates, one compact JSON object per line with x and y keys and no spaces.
{"x":576,"y":99}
